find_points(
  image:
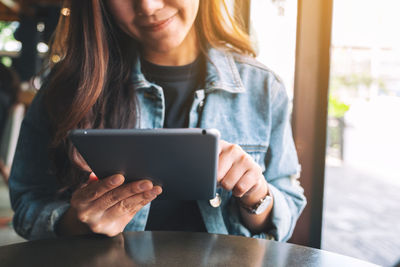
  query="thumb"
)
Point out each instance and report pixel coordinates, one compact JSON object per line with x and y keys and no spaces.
{"x":92,"y":178}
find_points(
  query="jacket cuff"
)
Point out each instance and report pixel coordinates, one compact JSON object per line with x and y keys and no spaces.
{"x":281,"y":216}
{"x":44,"y":226}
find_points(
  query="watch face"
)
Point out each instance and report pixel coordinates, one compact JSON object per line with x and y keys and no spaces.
{"x":263,"y":205}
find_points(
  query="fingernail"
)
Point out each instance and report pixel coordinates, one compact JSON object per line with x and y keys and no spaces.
{"x":145,"y":186}
{"x":154,"y":191}
{"x":93,"y":177}
{"x":116,"y":180}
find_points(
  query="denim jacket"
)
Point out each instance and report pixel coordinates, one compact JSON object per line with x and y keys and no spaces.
{"x":241,"y":98}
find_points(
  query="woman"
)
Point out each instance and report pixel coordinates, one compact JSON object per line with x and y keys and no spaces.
{"x":153,"y":64}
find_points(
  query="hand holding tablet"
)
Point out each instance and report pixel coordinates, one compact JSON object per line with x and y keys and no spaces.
{"x":105,"y":206}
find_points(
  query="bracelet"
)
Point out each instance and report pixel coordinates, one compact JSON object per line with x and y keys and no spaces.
{"x":260,"y":206}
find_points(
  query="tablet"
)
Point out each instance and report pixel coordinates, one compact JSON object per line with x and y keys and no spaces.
{"x":183,"y":161}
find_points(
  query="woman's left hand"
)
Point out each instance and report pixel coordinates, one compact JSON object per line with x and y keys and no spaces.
{"x":239,"y":173}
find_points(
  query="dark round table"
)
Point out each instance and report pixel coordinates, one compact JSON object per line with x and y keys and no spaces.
{"x":167,"y":249}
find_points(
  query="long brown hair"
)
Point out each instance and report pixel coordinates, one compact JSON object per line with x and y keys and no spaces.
{"x":90,"y":81}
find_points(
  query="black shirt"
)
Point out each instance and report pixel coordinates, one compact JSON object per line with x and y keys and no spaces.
{"x":179,"y":84}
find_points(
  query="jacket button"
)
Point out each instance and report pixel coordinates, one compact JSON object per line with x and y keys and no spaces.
{"x":200,"y":106}
{"x":216,"y":201}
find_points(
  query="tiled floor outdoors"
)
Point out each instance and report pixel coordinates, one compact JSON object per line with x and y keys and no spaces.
{"x":362,"y":194}
{"x":361,"y":215}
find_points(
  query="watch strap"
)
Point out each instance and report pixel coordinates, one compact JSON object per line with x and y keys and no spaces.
{"x":261,"y":205}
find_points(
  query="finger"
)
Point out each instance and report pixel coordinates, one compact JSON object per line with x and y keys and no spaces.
{"x":227,"y":157}
{"x":222,"y":145}
{"x":132,"y":204}
{"x":95,"y":190}
{"x":233,"y":175}
{"x":114,"y":196}
{"x":93,"y":177}
{"x":114,"y":220}
{"x":245,"y":184}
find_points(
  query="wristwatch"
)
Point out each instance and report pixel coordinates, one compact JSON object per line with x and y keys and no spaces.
{"x":260,"y":207}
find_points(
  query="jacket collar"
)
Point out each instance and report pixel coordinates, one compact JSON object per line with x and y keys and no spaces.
{"x":221,"y":73}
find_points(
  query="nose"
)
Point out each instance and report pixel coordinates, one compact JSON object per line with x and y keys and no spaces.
{"x":148,"y":7}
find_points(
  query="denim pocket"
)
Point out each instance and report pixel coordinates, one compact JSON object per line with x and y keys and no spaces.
{"x":257,"y":152}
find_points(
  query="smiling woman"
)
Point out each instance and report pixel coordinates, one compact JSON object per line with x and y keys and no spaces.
{"x":154,"y":64}
{"x":167,"y":35}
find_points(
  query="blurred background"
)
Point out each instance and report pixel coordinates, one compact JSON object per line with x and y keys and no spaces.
{"x":360,"y":176}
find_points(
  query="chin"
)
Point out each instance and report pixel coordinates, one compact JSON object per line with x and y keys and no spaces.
{"x":165,"y":47}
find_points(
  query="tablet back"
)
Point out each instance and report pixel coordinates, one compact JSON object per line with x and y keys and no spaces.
{"x":182,"y":161}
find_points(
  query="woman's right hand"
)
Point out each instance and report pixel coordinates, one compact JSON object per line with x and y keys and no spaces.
{"x":106,"y":206}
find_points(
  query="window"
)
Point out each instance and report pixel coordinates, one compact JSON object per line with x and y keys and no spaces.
{"x":362,"y":168}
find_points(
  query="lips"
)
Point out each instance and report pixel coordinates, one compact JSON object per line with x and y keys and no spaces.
{"x":157,"y":26}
